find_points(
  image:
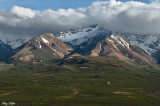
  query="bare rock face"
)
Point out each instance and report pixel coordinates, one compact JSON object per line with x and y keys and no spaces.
{"x":116,"y":46}
{"x":41,"y":48}
{"x":97,"y":50}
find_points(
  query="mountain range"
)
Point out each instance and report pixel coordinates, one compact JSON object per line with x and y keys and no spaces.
{"x":5,"y":49}
{"x":92,"y":41}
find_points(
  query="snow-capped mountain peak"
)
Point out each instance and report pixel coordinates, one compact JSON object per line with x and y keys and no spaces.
{"x":77,"y":37}
{"x":149,"y":42}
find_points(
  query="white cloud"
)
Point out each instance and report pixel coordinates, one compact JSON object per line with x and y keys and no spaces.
{"x":22,"y":12}
{"x":128,"y":16}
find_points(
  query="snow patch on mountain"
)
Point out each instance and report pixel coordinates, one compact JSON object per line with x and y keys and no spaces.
{"x":110,"y":40}
{"x":125,"y":43}
{"x":44,"y":40}
{"x":82,"y":35}
{"x":100,"y":47}
{"x":71,"y":35}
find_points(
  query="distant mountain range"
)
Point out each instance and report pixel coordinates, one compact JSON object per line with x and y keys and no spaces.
{"x":5,"y":49}
{"x":92,"y":41}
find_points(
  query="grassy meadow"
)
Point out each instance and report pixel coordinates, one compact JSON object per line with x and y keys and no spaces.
{"x":80,"y":82}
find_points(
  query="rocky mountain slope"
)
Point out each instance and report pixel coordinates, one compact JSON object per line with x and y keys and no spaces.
{"x":39,"y":49}
{"x":148,"y":42}
{"x":81,"y":38}
{"x":96,"y":41}
{"x":116,"y":46}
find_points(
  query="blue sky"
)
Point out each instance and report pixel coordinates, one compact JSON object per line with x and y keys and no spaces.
{"x":49,"y":4}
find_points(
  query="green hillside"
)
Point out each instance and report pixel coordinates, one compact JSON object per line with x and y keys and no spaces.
{"x":43,"y":55}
